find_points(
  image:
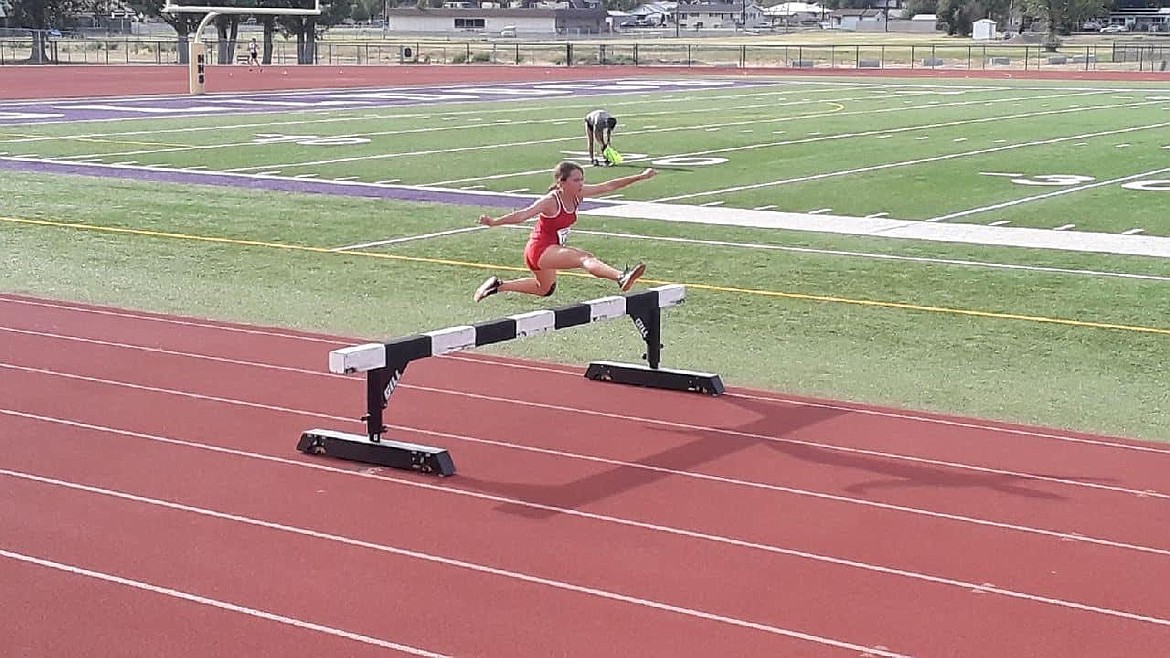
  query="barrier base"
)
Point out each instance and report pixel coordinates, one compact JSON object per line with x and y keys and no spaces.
{"x":395,"y":454}
{"x":640,"y":375}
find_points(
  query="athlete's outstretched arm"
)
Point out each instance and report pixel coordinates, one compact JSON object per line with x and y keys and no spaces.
{"x":545,"y":204}
{"x":617,"y":183}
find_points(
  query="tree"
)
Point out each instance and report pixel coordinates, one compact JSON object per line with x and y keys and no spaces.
{"x":1062,"y":16}
{"x":914,"y":7}
{"x":41,"y":16}
{"x":184,"y":24}
{"x":308,"y":28}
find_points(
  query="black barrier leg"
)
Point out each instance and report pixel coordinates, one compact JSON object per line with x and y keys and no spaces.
{"x":380,"y":386}
{"x":372,"y":449}
{"x":649,"y":323}
{"x":647,"y":317}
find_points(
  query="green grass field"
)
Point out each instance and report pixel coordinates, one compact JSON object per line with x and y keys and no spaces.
{"x":1067,"y":339}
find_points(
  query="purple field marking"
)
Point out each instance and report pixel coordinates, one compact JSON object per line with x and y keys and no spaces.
{"x":299,"y":185}
{"x":227,"y":104}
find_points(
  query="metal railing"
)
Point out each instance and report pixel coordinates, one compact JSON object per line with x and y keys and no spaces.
{"x":1008,"y":57}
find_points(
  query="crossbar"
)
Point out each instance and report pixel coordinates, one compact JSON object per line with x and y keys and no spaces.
{"x":385,"y":363}
{"x":372,"y":356}
{"x":170,"y":7}
{"x":259,"y":11}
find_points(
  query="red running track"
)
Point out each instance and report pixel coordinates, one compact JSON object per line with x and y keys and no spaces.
{"x":152,"y":503}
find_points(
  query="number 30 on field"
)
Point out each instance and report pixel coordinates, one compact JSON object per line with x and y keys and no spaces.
{"x":1058,"y":180}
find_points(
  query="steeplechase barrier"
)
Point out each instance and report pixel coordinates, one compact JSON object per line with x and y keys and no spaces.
{"x":385,"y":363}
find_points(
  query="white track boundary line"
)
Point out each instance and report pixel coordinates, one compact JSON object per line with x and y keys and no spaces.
{"x":485,"y":569}
{"x":549,"y":368}
{"x":953,"y":233}
{"x":967,"y":586}
{"x":868,"y":255}
{"x":611,"y":416}
{"x":1064,"y":536}
{"x":409,"y":238}
{"x":202,"y":600}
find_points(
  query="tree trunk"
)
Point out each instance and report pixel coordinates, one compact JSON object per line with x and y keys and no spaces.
{"x":269,"y":23}
{"x":228,"y":28}
{"x":40,"y":48}
{"x":307,"y":42}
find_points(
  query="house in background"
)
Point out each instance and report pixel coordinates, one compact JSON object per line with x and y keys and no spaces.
{"x":652,"y":14}
{"x":858,"y":20}
{"x":494,"y":21}
{"x":699,"y":15}
{"x":796,"y":14}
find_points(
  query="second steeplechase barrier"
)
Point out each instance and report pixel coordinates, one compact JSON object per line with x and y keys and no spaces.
{"x":385,"y":363}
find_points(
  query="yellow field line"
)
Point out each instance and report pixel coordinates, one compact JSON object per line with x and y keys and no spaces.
{"x":695,"y":286}
{"x":122,"y":142}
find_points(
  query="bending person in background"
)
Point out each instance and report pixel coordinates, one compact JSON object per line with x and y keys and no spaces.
{"x":599,"y":125}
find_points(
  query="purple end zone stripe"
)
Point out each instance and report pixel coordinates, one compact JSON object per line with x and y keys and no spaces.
{"x":304,"y":186}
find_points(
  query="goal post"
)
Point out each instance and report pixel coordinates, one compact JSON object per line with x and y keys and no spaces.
{"x":197,"y":51}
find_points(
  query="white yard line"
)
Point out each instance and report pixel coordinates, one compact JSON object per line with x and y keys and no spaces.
{"x":409,"y":238}
{"x":251,"y":144}
{"x":385,"y":132}
{"x":816,"y":115}
{"x":449,"y":93}
{"x":806,"y":140}
{"x":907,"y":163}
{"x":1140,"y":245}
{"x":466,"y":113}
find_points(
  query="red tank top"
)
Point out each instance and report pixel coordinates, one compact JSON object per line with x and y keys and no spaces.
{"x":554,"y":229}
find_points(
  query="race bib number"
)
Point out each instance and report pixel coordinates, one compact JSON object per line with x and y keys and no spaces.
{"x":563,"y":235}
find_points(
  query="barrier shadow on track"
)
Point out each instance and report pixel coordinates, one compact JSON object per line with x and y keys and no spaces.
{"x":775,"y":427}
{"x":705,"y":447}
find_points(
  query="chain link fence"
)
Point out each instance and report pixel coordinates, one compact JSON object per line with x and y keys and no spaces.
{"x":1116,"y":56}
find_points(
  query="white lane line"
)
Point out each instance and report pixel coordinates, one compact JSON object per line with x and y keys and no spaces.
{"x":203,"y":600}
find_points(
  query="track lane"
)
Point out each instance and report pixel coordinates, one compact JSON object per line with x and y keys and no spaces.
{"x":820,"y":602}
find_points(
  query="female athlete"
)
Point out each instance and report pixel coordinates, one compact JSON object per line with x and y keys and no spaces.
{"x":546,"y":252}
